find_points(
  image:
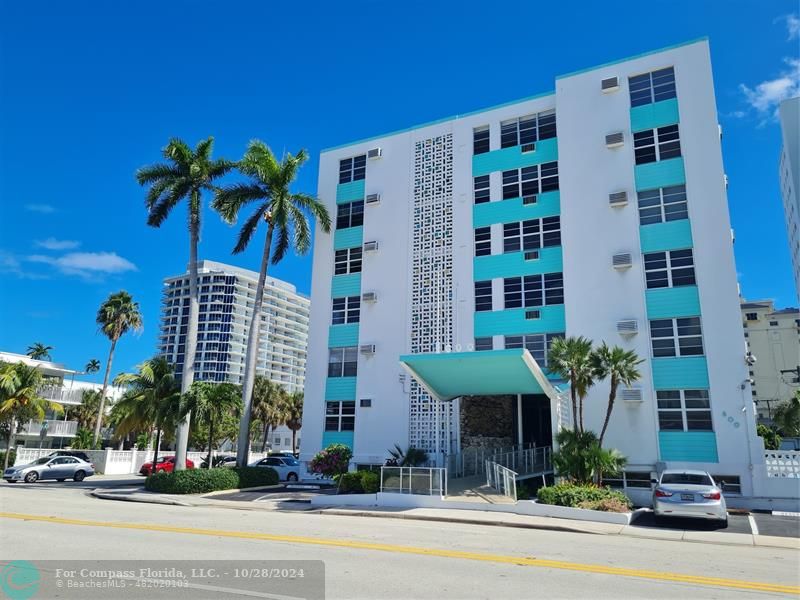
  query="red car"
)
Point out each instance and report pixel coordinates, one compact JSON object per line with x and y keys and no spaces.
{"x":165,"y":463}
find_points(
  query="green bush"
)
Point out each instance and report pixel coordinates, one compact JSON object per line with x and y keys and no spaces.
{"x":12,"y":456}
{"x":358,"y":482}
{"x":255,"y":476}
{"x":605,"y":505}
{"x":202,"y":481}
{"x":370,"y":482}
{"x":573,"y":495}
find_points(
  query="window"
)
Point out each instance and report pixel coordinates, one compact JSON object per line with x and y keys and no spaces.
{"x":528,"y":129}
{"x":484,"y":343}
{"x":340,"y":416}
{"x":751,"y":316}
{"x":629,"y":479}
{"x":350,"y":214}
{"x":662,"y":204}
{"x":343,"y":362}
{"x":652,"y":145}
{"x":676,"y":337}
{"x":669,"y":269}
{"x":533,"y":290}
{"x":483,"y":241}
{"x":537,"y":344}
{"x":481,"y":189}
{"x":532,"y":234}
{"x":652,"y":87}
{"x":347,"y":260}
{"x":683,"y":410}
{"x":773,"y":323}
{"x":352,"y":169}
{"x":483,"y":296}
{"x":530,"y":181}
{"x":480,"y":140}
{"x":730,"y":484}
{"x":346,"y":310}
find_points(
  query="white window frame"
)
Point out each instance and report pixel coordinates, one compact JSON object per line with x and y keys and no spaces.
{"x":676,"y":336}
{"x":669,"y":198}
{"x":670,"y":257}
{"x":347,"y":308}
{"x":348,"y":169}
{"x":683,"y":409}
{"x":350,"y":258}
{"x":343,"y":356}
{"x":340,"y":414}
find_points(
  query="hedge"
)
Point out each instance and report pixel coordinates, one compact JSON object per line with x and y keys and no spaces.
{"x":358,"y":482}
{"x":201,"y":481}
{"x":584,"y":496}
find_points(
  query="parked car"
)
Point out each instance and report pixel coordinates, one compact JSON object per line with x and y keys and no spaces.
{"x":166,"y":464}
{"x":285,"y":453}
{"x":287,"y":467}
{"x":220,"y":461}
{"x":692,"y":494}
{"x":75,"y":453}
{"x":50,"y":467}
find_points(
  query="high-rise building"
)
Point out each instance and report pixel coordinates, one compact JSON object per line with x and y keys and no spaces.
{"x":773,"y":337}
{"x":464,"y":247}
{"x":227,"y":296}
{"x":789,"y":173}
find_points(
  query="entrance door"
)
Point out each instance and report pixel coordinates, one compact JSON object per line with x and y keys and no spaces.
{"x":536,"y":425}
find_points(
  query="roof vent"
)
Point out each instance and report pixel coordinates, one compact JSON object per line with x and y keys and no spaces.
{"x":609,"y":84}
{"x":618,"y":198}
{"x":627,"y":327}
{"x":615,"y":140}
{"x":622,"y":260}
{"x":370,"y":246}
{"x":369,"y":297}
{"x":373,"y":199}
{"x":528,"y":148}
{"x":631,"y":394}
{"x":374,"y":153}
{"x":367,"y":349}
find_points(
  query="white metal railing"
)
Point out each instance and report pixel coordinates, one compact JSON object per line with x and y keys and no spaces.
{"x":471,"y":461}
{"x":54,"y":428}
{"x":501,"y":478}
{"x":782,"y":463}
{"x":528,"y":461}
{"x":427,"y":481}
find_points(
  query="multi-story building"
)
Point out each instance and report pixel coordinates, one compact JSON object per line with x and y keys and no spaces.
{"x":789,"y":173}
{"x":773,"y":338}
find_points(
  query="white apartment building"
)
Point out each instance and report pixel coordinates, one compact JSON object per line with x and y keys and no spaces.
{"x":773,"y":337}
{"x":463,"y":247}
{"x":789,"y":174}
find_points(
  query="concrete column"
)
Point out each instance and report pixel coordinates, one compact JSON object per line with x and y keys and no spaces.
{"x":519,"y":419}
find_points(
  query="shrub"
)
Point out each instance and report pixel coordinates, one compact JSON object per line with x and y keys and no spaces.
{"x":358,"y":482}
{"x":255,"y":476}
{"x":581,"y":459}
{"x":606,"y":505}
{"x":12,"y":456}
{"x":370,"y":482}
{"x":333,"y":460}
{"x":570,"y":494}
{"x":772,"y":439}
{"x":202,"y":481}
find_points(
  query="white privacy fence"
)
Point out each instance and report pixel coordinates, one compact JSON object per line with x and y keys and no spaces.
{"x":427,"y":481}
{"x":782,"y":463}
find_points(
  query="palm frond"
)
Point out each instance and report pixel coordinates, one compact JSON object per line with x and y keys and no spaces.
{"x":160,"y":211}
{"x":203,"y":149}
{"x":157,"y":172}
{"x":316,"y":208}
{"x":179,"y":152}
{"x":281,"y":246}
{"x":248,"y":229}
{"x":302,"y":233}
{"x":229,"y":200}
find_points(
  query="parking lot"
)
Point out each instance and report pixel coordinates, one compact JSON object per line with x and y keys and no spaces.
{"x":753,"y":523}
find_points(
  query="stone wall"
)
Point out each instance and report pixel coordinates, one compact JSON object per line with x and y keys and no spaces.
{"x":487,"y":421}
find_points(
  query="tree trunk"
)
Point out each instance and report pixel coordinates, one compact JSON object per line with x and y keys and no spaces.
{"x":103,"y":392}
{"x":266,"y":436}
{"x":251,"y":356}
{"x":612,"y":396}
{"x":294,"y":440}
{"x":210,"y":438}
{"x":580,"y":412}
{"x":572,"y":395}
{"x":155,"y":451}
{"x":9,"y":443}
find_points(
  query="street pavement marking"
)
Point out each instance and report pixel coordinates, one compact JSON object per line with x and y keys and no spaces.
{"x":493,"y":558}
{"x":753,"y":525}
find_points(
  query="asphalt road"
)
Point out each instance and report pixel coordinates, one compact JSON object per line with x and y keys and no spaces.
{"x":387,"y":558}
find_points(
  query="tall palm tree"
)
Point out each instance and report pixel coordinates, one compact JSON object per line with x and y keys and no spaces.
{"x":19,"y":395}
{"x":38,"y":351}
{"x":209,"y":403}
{"x":268,"y":405}
{"x":185,"y":176}
{"x":294,"y":415}
{"x":87,"y":411}
{"x":620,"y":366}
{"x":569,"y":358}
{"x":152,"y":399}
{"x":93,"y":366}
{"x":115,"y":317}
{"x":286,"y":214}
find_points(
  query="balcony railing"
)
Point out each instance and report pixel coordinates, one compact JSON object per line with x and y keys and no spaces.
{"x":54,"y":428}
{"x":62,"y":395}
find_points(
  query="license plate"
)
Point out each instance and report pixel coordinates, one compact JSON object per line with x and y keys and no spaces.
{"x":687,"y":497}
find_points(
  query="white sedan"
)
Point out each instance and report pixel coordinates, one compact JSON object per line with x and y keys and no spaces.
{"x":287,"y":467}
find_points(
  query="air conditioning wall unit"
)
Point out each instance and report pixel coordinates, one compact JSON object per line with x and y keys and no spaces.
{"x":374,"y":153}
{"x":609,"y":84}
{"x":370,"y":246}
{"x":615,"y":140}
{"x":367,"y":349}
{"x":622,"y":260}
{"x":373,"y":199}
{"x":618,"y":198}
{"x":369,"y":297}
{"x":628,"y":327}
{"x":633,"y":394}
{"x":525,"y":148}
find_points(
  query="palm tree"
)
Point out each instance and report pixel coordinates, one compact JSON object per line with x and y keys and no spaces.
{"x":116,"y":316}
{"x":19,"y":395}
{"x":285,"y":213}
{"x":787,"y":416}
{"x":152,"y":399}
{"x":86,"y":412}
{"x":620,"y":366}
{"x":294,"y":415}
{"x":38,"y":351}
{"x":268,"y":405}
{"x":569,"y":358}
{"x":93,"y":366}
{"x":209,"y":402}
{"x":185,"y":176}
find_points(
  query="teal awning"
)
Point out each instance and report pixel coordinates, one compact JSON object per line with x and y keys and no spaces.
{"x":448,"y":375}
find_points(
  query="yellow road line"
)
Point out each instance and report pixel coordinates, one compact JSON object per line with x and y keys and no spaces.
{"x":493,"y":558}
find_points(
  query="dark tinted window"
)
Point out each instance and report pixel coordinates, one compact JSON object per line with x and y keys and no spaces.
{"x":686,"y":479}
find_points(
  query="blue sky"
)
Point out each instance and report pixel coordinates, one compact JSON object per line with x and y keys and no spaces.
{"x":89,"y":91}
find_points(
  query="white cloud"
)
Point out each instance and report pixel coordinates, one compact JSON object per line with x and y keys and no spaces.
{"x":792,"y":26}
{"x":12,"y":265}
{"x":765,"y":97}
{"x":54,"y":244}
{"x":44,"y":209}
{"x":86,"y":264}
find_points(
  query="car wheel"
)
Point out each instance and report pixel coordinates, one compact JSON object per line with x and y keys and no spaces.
{"x":31,"y":477}
{"x":79,"y":476}
{"x":291,"y":477}
{"x":723,"y":524}
{"x":59,"y":480}
{"x":659,"y":520}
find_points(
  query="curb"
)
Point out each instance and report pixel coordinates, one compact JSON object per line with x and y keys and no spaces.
{"x":236,"y":490}
{"x":132,"y":498}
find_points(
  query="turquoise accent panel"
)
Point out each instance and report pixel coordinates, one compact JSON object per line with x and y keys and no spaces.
{"x":348,"y":238}
{"x":547,"y":204}
{"x":681,"y":301}
{"x":513,"y":321}
{"x":513,"y":158}
{"x":347,"y":192}
{"x":514,"y":263}
{"x":688,"y":446}
{"x":654,"y":115}
{"x":489,"y":372}
{"x":679,"y":372}
{"x":337,"y":437}
{"x":340,"y":388}
{"x":659,"y":174}
{"x":346,"y":285}
{"x":671,"y":235}
{"x":343,"y":335}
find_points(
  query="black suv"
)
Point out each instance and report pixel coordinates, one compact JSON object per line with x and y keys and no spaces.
{"x":75,"y":453}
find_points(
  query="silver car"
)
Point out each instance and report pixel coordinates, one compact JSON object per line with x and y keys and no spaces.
{"x":680,"y":493}
{"x":50,"y":467}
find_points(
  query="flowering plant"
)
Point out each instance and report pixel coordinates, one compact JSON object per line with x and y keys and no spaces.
{"x":331,"y":461}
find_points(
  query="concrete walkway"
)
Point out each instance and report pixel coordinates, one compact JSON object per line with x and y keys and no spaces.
{"x":474,"y":489}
